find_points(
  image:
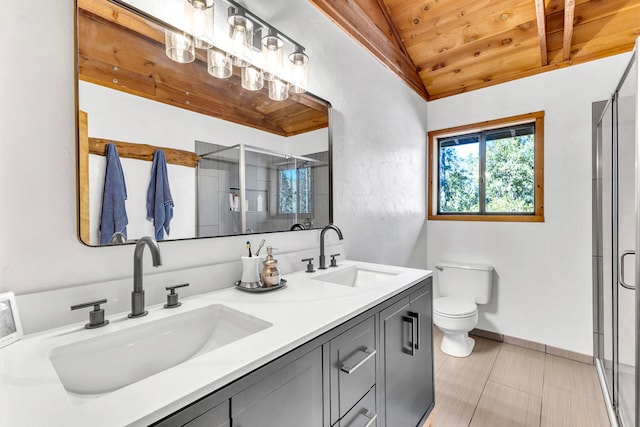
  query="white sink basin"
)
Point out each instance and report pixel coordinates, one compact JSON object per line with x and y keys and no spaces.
{"x":355,"y":276}
{"x":114,"y":360}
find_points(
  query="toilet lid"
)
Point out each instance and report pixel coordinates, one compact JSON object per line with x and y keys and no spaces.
{"x":453,"y":307}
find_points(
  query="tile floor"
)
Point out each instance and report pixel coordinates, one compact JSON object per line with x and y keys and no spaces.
{"x":503,"y":385}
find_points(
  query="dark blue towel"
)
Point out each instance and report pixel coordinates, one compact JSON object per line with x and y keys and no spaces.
{"x":159,"y":200}
{"x":114,"y":212}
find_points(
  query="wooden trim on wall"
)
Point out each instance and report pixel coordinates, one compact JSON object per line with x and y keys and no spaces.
{"x":539,"y":166}
{"x":83,"y":175}
{"x":538,"y":215}
{"x":131,"y":150}
{"x":357,"y":24}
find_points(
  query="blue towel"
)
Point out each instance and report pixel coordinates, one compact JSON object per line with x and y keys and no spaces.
{"x":159,"y":200}
{"x":114,"y":212}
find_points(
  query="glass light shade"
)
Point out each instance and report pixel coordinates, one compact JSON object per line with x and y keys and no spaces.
{"x":219,"y":64}
{"x":299,"y":72}
{"x":272,"y":53}
{"x":241,"y":33}
{"x":252,"y":78}
{"x":198,"y":16}
{"x":179,"y":47}
{"x":278,"y":90}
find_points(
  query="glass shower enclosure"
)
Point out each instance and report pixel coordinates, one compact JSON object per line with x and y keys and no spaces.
{"x":242,"y":189}
{"x":616,"y":240}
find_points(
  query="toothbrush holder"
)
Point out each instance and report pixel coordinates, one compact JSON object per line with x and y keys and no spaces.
{"x":250,"y":274}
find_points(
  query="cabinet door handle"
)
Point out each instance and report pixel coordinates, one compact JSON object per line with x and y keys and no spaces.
{"x":372,"y":418}
{"x":621,"y":270}
{"x":350,"y":367}
{"x":416,"y":316}
{"x":409,"y":349}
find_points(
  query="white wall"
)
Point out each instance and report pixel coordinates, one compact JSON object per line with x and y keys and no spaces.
{"x":379,"y":148}
{"x":543,"y":288}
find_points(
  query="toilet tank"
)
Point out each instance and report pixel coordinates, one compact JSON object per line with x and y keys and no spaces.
{"x":463,"y":280}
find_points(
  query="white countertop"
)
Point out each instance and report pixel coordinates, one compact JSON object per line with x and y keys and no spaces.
{"x":31,"y":393}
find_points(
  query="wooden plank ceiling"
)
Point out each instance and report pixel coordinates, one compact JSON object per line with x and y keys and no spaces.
{"x":121,"y":50}
{"x":455,"y":46}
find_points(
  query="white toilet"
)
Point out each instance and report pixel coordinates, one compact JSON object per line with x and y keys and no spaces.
{"x":461,"y":287}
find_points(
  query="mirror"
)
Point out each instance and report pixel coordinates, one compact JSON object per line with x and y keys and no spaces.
{"x":237,"y":161}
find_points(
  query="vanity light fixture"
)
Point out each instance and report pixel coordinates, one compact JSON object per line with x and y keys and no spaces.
{"x":251,"y":44}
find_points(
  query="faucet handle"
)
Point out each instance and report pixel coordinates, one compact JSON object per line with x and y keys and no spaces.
{"x":96,"y":316}
{"x":334,"y":263}
{"x":309,"y":265}
{"x":172,"y":297}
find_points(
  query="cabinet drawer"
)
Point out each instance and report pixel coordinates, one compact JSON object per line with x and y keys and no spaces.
{"x":363,"y":414}
{"x":291,"y":396}
{"x":353,"y":367}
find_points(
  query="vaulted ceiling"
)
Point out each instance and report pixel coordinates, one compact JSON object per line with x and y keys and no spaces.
{"x":446,"y":47}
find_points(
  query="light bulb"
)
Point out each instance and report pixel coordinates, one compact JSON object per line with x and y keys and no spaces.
{"x":179,"y":47}
{"x":252,"y":78}
{"x":272,"y":53}
{"x":241,"y":30}
{"x":278,"y":90}
{"x":199,"y":21}
{"x":299,"y":71}
{"x":219,"y":64}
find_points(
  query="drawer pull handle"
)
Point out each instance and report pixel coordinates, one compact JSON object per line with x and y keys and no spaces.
{"x":350,"y":368}
{"x":372,"y":418}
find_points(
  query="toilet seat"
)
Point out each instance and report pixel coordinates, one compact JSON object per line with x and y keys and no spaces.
{"x":454,"y":307}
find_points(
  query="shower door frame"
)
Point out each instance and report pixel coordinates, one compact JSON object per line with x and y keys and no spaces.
{"x":599,"y":341}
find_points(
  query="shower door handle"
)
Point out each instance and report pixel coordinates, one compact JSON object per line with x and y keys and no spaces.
{"x":621,"y":270}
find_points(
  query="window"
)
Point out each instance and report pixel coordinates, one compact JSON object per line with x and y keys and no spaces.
{"x":491,"y":171}
{"x":294,"y":190}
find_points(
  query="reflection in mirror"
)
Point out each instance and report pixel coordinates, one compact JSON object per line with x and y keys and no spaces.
{"x":246,"y":189}
{"x":237,"y":161}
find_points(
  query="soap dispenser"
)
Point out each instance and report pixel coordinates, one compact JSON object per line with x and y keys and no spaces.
{"x":270,"y":272}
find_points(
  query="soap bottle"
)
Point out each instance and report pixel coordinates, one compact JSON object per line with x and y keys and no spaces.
{"x":270,"y":272}
{"x":259,"y":203}
{"x":236,"y":202}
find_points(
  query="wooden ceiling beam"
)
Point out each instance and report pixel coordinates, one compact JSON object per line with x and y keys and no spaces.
{"x":569,"y":11}
{"x":542,"y":32}
{"x":356,"y":23}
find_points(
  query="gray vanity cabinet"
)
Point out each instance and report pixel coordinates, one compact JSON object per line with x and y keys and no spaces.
{"x":216,"y":417}
{"x":373,"y":370}
{"x":407,"y":359}
{"x":291,"y":396}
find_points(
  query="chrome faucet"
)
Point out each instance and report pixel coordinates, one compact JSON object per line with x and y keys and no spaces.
{"x":323,"y":264}
{"x":137,"y":296}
